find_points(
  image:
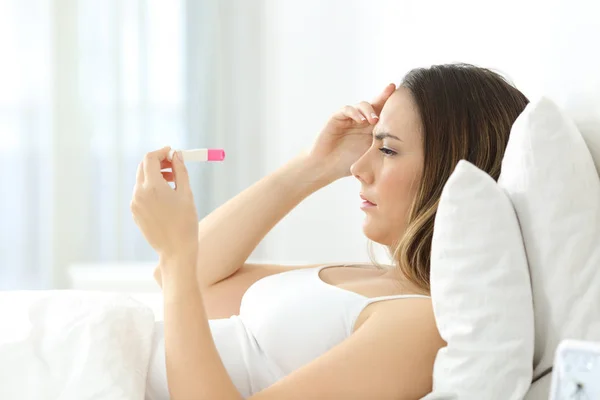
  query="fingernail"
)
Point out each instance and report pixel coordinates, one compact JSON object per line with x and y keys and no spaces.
{"x":362,"y":118}
{"x":178,"y":155}
{"x":373,"y":115}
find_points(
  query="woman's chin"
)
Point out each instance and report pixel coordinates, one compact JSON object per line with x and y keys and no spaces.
{"x":374,"y":234}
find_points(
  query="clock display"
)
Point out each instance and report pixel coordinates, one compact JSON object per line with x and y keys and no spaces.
{"x":576,"y":373}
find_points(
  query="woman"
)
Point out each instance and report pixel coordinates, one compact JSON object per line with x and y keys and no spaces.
{"x":321,"y":331}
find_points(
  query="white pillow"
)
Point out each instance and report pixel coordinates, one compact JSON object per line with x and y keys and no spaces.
{"x":550,"y":176}
{"x":73,"y":345}
{"x":481,"y":292}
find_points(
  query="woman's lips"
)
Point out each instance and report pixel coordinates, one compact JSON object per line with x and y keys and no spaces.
{"x":366,"y":203}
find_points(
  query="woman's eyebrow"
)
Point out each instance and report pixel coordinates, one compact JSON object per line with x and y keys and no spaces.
{"x":383,"y":135}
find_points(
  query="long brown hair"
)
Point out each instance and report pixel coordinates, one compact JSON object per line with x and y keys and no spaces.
{"x":467,"y":113}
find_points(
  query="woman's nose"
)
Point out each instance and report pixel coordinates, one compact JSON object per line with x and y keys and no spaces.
{"x":360,"y":169}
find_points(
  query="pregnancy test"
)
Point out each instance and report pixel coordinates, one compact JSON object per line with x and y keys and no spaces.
{"x":199,"y":155}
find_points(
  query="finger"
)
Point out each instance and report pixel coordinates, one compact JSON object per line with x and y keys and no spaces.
{"x":180,"y":174}
{"x":354,"y":114}
{"x":367,"y":109}
{"x":169,"y":177}
{"x":139,"y":176}
{"x":380,"y":100}
{"x":152,"y":162}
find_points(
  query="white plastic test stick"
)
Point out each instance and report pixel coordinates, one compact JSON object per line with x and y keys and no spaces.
{"x":199,"y":155}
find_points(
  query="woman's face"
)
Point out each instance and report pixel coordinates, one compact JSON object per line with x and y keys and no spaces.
{"x":390,"y":171}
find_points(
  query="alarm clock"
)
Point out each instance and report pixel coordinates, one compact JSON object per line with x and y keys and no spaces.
{"x":576,"y":372}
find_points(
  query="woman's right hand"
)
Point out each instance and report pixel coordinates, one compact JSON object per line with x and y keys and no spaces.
{"x":348,"y":134}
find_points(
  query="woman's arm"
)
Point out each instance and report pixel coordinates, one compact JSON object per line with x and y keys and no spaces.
{"x":169,"y":222}
{"x":228,"y":235}
{"x":194,"y":366}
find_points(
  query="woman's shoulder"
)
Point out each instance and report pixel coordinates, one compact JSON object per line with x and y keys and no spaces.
{"x":410,"y":315}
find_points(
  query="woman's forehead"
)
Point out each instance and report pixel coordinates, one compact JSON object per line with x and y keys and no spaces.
{"x":400,"y":114}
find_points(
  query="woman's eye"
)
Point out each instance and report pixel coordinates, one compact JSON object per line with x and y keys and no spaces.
{"x":387,"y":152}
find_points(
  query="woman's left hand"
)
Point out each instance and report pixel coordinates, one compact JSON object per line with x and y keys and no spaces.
{"x":167,"y":217}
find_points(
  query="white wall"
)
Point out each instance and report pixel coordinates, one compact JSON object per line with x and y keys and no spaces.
{"x":320,"y":55}
{"x":317,"y":59}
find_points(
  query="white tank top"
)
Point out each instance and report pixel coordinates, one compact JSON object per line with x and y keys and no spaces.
{"x":286,"y":320}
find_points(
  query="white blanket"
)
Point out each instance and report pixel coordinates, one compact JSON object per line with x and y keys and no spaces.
{"x":73,"y":345}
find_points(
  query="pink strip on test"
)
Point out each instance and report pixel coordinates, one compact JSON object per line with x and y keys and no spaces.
{"x":216,"y":154}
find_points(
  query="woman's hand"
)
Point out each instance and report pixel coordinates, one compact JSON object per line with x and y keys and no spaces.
{"x":167,"y":217}
{"x":348,"y":135}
